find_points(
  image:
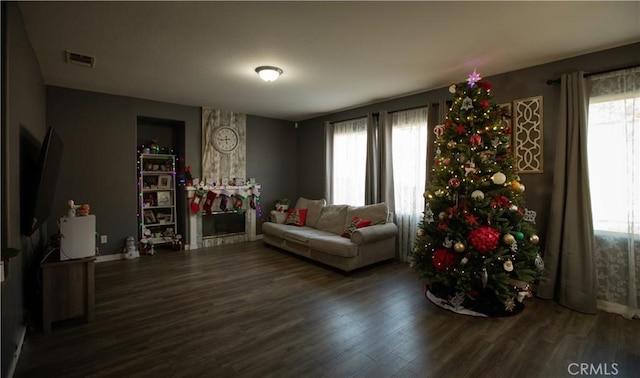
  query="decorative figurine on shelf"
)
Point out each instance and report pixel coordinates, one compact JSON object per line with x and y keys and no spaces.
{"x":83,"y":210}
{"x":130,"y":251}
{"x":72,"y":209}
{"x":146,"y":243}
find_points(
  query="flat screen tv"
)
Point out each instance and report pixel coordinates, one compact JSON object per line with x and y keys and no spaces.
{"x":39,"y":179}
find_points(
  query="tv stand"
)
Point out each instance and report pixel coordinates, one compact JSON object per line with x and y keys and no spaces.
{"x":68,"y":290}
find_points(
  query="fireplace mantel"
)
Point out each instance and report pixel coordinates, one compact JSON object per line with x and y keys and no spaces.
{"x":196,"y":239}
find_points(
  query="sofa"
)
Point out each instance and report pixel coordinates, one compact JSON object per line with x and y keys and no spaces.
{"x":342,"y":236}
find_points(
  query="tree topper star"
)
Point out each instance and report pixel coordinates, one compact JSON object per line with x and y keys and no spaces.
{"x":474,"y":77}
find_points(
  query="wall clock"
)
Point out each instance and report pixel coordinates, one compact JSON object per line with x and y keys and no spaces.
{"x":225,"y":139}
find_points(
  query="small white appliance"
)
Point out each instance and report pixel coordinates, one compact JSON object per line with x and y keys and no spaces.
{"x":78,"y":237}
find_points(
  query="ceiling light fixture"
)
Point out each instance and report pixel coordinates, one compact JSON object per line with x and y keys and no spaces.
{"x":269,"y":73}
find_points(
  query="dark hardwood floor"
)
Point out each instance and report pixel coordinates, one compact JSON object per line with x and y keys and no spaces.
{"x":251,"y":310}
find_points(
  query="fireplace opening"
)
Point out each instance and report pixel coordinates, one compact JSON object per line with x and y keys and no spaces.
{"x":223,"y":224}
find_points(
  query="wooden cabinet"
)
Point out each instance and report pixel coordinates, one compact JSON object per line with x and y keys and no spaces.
{"x":67,"y":290}
{"x":157,"y":197}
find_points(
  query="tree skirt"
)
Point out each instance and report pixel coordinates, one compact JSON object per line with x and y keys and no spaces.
{"x":485,"y":305}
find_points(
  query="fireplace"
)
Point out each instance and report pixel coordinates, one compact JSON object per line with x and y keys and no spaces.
{"x":223,"y":227}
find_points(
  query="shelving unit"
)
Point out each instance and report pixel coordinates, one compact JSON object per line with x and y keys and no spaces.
{"x":157,"y":197}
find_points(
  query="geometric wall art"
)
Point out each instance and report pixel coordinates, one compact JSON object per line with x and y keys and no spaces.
{"x":527,"y":130}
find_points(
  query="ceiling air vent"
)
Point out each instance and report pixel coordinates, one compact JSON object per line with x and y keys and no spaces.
{"x":80,"y":59}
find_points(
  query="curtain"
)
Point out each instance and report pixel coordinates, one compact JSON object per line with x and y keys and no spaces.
{"x":614,"y":161}
{"x":568,"y":256}
{"x":379,"y":174}
{"x":409,"y":149}
{"x":348,"y":154}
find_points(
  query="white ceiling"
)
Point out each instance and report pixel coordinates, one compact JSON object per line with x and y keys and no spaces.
{"x":335,"y":55}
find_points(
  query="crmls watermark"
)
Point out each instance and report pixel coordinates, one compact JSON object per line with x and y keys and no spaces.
{"x":584,"y":368}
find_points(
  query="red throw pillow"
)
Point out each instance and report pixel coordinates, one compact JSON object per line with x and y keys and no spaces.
{"x":354,"y":225}
{"x":296,"y":217}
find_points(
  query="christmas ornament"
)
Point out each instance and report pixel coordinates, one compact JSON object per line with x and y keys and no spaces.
{"x":439,"y":192}
{"x":451,"y":144}
{"x":459,"y":247}
{"x":510,"y":305}
{"x":467,"y":104}
{"x":508,"y":239}
{"x":472,"y":220}
{"x":461,"y":129}
{"x":447,"y":242}
{"x":484,"y":239}
{"x":521,"y":189}
{"x":477,"y":194}
{"x":529,"y":216}
{"x":443,"y":259}
{"x":475,"y":140}
{"x":442,"y":215}
{"x":454,"y":182}
{"x":426,"y":195}
{"x":515,"y":185}
{"x":485,"y":277}
{"x":495,"y":142}
{"x":464,"y":260}
{"x":438,"y":130}
{"x":513,"y":208}
{"x":438,"y":151}
{"x":420,"y":233}
{"x":499,"y":178}
{"x":508,"y":266}
{"x":519,"y":235}
{"x":452,"y":88}
{"x":539,"y":262}
{"x":514,"y":247}
{"x":469,"y":167}
{"x":474,"y":77}
{"x":534,"y":239}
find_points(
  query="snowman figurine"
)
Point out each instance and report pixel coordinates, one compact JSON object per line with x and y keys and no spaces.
{"x":130,"y":251}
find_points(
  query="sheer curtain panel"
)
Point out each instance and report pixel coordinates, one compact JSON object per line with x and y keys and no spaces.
{"x":348,"y":152}
{"x":409,"y":136}
{"x":614,"y":163}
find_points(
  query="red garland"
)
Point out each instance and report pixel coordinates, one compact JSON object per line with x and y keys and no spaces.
{"x":444,"y":259}
{"x":484,"y":239}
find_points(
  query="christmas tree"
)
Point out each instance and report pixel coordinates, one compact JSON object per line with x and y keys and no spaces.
{"x":476,"y":245}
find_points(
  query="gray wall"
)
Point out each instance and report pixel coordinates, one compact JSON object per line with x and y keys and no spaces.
{"x":272,"y":159}
{"x":506,"y":88}
{"x":99,"y":164}
{"x":23,"y":107}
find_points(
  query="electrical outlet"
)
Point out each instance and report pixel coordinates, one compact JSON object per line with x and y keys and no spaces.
{"x":103,"y":239}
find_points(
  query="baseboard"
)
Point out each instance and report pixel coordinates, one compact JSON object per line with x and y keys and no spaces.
{"x":112,"y":257}
{"x":16,"y":354}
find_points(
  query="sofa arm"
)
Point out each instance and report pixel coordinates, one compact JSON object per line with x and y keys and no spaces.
{"x":374,"y":233}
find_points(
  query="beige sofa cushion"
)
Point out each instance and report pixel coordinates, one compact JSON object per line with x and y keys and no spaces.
{"x":333,"y":219}
{"x":376,"y":213}
{"x":314,"y":209}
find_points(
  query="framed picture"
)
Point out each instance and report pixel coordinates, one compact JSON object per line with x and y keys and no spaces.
{"x":149,"y":217}
{"x":164,"y":199}
{"x":164,"y":182}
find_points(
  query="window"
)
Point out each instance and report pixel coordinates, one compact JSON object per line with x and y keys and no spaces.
{"x":349,"y":158}
{"x":614,"y":153}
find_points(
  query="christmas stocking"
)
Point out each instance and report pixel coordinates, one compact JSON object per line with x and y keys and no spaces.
{"x":223,"y":203}
{"x":195,"y":201}
{"x":238,"y":203}
{"x":208,"y":203}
